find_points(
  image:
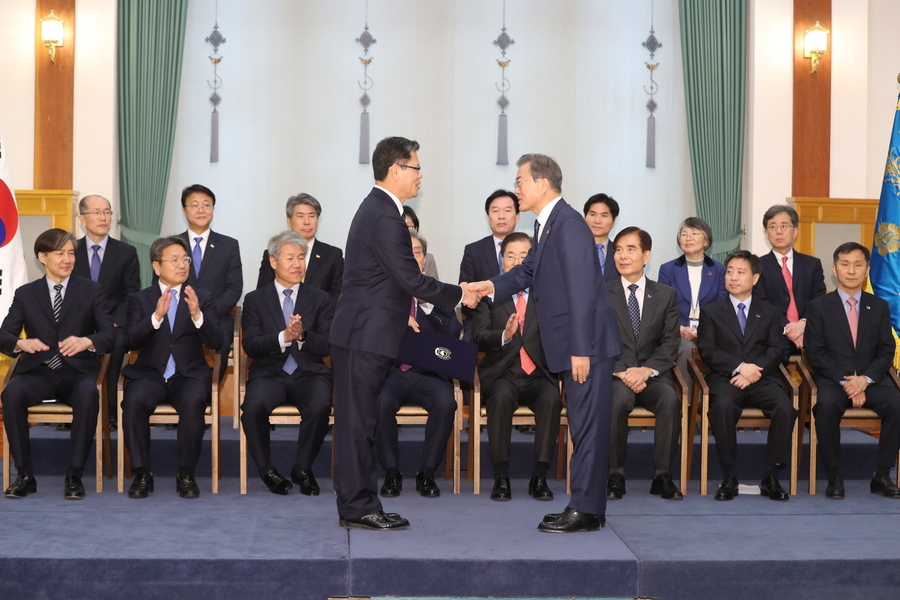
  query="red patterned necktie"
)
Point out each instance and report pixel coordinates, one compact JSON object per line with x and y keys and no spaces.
{"x":527,"y":364}
{"x":792,"y":314}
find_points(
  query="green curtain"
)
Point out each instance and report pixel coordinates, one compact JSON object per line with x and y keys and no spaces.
{"x":150,"y":47}
{"x":714,"y":52}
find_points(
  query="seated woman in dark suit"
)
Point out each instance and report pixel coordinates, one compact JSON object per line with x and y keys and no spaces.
{"x":697,"y":278}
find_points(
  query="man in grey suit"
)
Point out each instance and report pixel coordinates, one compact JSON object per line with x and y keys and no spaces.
{"x":647,"y":313}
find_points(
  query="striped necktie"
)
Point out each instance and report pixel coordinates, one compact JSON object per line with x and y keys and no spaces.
{"x":56,"y":361}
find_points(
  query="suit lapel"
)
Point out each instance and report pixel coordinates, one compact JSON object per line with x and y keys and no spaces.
{"x":650,"y":308}
{"x":73,"y":290}
{"x":274,"y":304}
{"x":546,"y":232}
{"x":617,"y":297}
{"x":209,"y":253}
{"x":312,"y":266}
{"x":753,"y":319}
{"x":730,"y":318}
{"x":774,"y":265}
{"x":683,"y":284}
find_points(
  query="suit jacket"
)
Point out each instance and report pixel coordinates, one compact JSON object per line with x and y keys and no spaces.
{"x":660,"y":335}
{"x":489,"y":321}
{"x":325,"y":270}
{"x":220,"y":272}
{"x":712,"y":284}
{"x":809,"y":282}
{"x":120,"y":274}
{"x":83,"y":314}
{"x":479,"y":261}
{"x":262,"y":320}
{"x":610,"y":273}
{"x":723,"y":347}
{"x":829,"y":345}
{"x":185,"y":342}
{"x":380,"y":279}
{"x":573,"y":308}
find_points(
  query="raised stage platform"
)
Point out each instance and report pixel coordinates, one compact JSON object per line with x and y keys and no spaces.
{"x":261,"y":545}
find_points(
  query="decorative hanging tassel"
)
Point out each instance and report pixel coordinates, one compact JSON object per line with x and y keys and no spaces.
{"x":364,"y":138}
{"x":501,"y":140}
{"x":651,"y":142}
{"x":214,"y":137}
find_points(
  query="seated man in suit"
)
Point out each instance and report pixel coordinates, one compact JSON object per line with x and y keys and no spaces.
{"x":647,"y":312}
{"x":740,"y":340}
{"x":412,"y":222}
{"x":600,"y":213}
{"x":215,"y":259}
{"x":850,"y":345}
{"x":513,"y":372}
{"x":408,"y":384}
{"x":286,"y":325}
{"x":482,"y":259}
{"x":168,"y":324}
{"x":789,"y":280}
{"x":324,"y":263}
{"x":115,"y":266}
{"x":68,"y":328}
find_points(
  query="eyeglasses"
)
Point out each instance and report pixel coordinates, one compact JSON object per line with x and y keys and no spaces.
{"x":196,"y":206}
{"x":692,"y":234}
{"x":781,"y":227}
{"x":419,"y":168}
{"x":185,"y":260}
{"x":99,"y":213}
{"x":518,"y":182}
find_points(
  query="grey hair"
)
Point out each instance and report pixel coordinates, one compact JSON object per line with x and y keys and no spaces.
{"x":543,"y":167}
{"x":295,"y":201}
{"x":82,"y":204}
{"x":415,"y":234}
{"x":286,"y":237}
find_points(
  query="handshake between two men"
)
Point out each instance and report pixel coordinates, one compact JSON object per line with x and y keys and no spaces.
{"x":474,"y":292}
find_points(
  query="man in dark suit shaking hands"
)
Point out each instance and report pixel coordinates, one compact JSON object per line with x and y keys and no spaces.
{"x":68,"y":328}
{"x":286,"y":325}
{"x":168,"y":324}
{"x":850,"y":345}
{"x":647,"y":313}
{"x":578,"y":329}
{"x":114,"y":265}
{"x":381,"y":281}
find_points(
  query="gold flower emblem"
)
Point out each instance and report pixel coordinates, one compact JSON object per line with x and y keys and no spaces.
{"x":892,"y":170}
{"x":887,"y":238}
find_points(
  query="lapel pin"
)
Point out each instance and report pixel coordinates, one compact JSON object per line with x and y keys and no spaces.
{"x":212,"y":245}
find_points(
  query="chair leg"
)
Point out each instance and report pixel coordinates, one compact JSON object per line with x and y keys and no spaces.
{"x":561,"y":452}
{"x":101,"y":442}
{"x":704,"y":450}
{"x":242,"y":450}
{"x":813,"y":453}
{"x":6,"y":461}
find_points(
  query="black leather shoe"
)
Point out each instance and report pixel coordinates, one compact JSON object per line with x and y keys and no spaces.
{"x":186,"y":486}
{"x":615,"y":486}
{"x":141,"y":487}
{"x":771,"y":488}
{"x":74,"y":489}
{"x":835,"y":489}
{"x":426,"y":485}
{"x":538,"y":488}
{"x":276,"y":483}
{"x":665,"y":488}
{"x":885,"y":487}
{"x":22,"y":486}
{"x":393,"y":483}
{"x":571,"y":521}
{"x":729,"y":488}
{"x":501,"y":491}
{"x":306,"y":480}
{"x":377,"y":521}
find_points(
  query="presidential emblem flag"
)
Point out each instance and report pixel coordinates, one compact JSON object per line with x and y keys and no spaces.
{"x":13,"y":271}
{"x":885,"y":272}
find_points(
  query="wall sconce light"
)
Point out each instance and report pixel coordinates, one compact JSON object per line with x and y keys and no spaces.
{"x":815,"y":44}
{"x":52,"y":34}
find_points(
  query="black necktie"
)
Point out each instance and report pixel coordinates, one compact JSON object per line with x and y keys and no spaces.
{"x":537,"y":228}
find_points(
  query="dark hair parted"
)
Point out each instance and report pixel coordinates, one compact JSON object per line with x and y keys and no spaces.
{"x":500,"y":194}
{"x":157,"y":247}
{"x":778,"y":209}
{"x":609,"y":201}
{"x":409,"y":212}
{"x":516,"y":236}
{"x":388,"y":152}
{"x":644,"y":237}
{"x":543,"y":167}
{"x":295,"y":201}
{"x":53,"y":240}
{"x":698,"y":224}
{"x":847,"y":248}
{"x":755,"y":265}
{"x":191,"y":189}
